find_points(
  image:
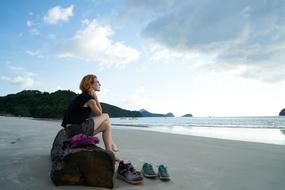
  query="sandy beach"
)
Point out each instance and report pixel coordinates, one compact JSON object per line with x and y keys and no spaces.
{"x":195,"y":163}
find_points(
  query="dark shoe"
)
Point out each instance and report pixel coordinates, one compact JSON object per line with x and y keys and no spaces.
{"x":163,"y":173}
{"x":128,"y":173}
{"x":147,"y":171}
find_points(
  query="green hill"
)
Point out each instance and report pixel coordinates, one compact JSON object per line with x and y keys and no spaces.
{"x":282,"y":112}
{"x":37,"y":104}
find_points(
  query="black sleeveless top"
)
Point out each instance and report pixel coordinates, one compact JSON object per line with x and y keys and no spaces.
{"x":76,"y":113}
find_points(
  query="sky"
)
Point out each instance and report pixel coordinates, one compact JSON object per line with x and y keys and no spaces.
{"x":204,"y":57}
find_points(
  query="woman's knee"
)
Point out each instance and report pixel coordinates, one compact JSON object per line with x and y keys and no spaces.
{"x":106,"y":117}
{"x":98,"y":120}
{"x":104,"y":126}
{"x":107,"y":124}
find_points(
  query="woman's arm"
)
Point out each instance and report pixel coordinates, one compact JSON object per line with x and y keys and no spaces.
{"x":97,"y":102}
{"x":92,"y":104}
{"x":93,"y":93}
{"x":99,"y":106}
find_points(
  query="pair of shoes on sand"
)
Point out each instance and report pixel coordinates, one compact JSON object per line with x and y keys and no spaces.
{"x":129,"y":174}
{"x":148,"y":172}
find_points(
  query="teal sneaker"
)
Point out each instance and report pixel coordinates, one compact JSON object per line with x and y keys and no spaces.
{"x":147,"y":171}
{"x":163,"y":173}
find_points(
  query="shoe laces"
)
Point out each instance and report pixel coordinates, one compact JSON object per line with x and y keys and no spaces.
{"x":148,"y":167}
{"x":131,"y":168}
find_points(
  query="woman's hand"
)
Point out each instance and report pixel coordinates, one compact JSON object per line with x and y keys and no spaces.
{"x":94,"y":95}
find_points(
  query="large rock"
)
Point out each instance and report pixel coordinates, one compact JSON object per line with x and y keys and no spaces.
{"x":92,"y":166}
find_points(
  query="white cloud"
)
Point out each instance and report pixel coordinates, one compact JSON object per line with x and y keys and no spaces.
{"x":140,"y":99}
{"x":30,"y":23}
{"x":225,"y":94}
{"x":16,"y":69}
{"x":94,"y":43}
{"x":22,"y":77}
{"x":35,"y":53}
{"x":32,"y":28}
{"x":85,"y":22}
{"x":57,"y":14}
{"x":21,"y":71}
{"x":158,"y":53}
{"x":19,"y":80}
{"x":137,"y":9}
{"x":137,"y":100}
{"x":238,"y":32}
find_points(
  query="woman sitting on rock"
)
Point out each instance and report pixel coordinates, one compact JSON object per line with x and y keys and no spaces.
{"x":77,"y":118}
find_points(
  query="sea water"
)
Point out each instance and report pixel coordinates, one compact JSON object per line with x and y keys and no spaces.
{"x":253,"y":129}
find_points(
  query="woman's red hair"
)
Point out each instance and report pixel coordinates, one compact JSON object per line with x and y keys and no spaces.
{"x":86,"y":83}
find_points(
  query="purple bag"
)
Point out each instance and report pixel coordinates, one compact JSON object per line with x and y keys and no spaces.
{"x":82,"y":141}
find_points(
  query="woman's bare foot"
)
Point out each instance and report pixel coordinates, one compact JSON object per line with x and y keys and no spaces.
{"x":115,"y":148}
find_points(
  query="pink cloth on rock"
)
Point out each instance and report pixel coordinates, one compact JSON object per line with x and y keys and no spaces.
{"x":82,"y":141}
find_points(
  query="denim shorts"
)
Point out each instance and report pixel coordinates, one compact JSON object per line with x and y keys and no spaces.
{"x":86,"y":128}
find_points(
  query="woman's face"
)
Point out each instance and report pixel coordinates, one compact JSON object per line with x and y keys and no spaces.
{"x":96,"y":85}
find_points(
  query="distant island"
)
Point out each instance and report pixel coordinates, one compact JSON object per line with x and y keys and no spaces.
{"x":282,"y":112}
{"x":187,"y":115}
{"x":37,"y":104}
{"x":146,"y":113}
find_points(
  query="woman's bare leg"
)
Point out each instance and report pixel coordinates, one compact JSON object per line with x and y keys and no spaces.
{"x":102,"y":124}
{"x":105,"y":128}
